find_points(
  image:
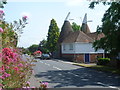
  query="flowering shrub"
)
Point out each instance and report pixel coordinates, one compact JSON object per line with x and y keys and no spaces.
{"x":37,"y":53}
{"x":25,"y":18}
{"x":1,"y":14}
{"x":15,"y":72}
{"x":44,"y":85}
{"x":1,"y":30}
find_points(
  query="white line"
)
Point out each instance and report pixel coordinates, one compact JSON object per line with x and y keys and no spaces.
{"x":113,"y":87}
{"x":73,"y":74}
{"x":47,"y":64}
{"x":41,"y":61}
{"x":57,"y":68}
{"x":76,"y":75}
{"x":66,"y":62}
{"x":108,"y":85}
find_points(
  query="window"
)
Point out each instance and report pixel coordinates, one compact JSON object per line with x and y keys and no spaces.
{"x":64,"y":48}
{"x":71,"y":47}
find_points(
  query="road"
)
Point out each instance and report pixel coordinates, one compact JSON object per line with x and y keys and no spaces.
{"x":62,"y":74}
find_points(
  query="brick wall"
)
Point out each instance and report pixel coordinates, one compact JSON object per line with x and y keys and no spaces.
{"x":69,"y":57}
{"x":80,"y":57}
{"x":93,"y":58}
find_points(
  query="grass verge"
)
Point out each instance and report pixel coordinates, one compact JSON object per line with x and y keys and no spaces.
{"x":100,"y":68}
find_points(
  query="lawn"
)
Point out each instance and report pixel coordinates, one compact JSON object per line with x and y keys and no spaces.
{"x":100,"y":68}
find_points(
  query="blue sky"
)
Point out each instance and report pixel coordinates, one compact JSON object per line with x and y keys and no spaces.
{"x":41,"y":12}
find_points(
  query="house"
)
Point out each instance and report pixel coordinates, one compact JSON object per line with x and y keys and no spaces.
{"x":77,"y":46}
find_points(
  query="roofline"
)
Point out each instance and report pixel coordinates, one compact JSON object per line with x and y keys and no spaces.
{"x":75,"y":42}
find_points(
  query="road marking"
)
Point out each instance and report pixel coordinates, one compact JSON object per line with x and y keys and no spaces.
{"x":47,"y":64}
{"x":57,"y":68}
{"x":112,"y":87}
{"x":73,"y":74}
{"x":59,"y":74}
{"x":65,"y":62}
{"x":76,"y":75}
{"x":41,"y":61}
{"x":108,"y":85}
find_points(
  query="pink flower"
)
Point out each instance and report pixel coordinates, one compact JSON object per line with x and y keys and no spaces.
{"x":2,"y":69}
{"x":1,"y":30}
{"x":27,"y":88}
{"x":0,"y":56}
{"x":6,"y":51}
{"x":13,"y":55}
{"x":20,"y":65}
{"x":33,"y":87}
{"x":25,"y":18}
{"x":1,"y":11}
{"x":1,"y":85}
{"x":28,"y":82}
{"x":16,"y":69}
{"x":6,"y":75}
{"x":1,"y":77}
{"x":7,"y":67}
{"x":44,"y":84}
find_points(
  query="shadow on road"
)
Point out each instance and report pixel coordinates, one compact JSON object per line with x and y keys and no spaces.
{"x":85,"y":77}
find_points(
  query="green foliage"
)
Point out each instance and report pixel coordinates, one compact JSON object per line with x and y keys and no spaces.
{"x":111,"y":29}
{"x":75,"y":27}
{"x":43,"y":46}
{"x":103,"y":61}
{"x":33,"y":48}
{"x":25,"y":51}
{"x":15,"y":71}
{"x":92,"y":4}
{"x":53,"y":35}
{"x":19,"y":25}
{"x":2,"y":2}
{"x":9,"y":37}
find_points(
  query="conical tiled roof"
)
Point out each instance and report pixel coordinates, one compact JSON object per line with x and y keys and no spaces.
{"x":96,"y":36}
{"x":66,"y":29}
{"x":77,"y":36}
{"x":85,"y":28}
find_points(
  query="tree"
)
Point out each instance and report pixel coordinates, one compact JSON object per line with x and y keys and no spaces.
{"x":75,"y":27}
{"x":111,"y":29}
{"x":53,"y":35}
{"x":33,"y":48}
{"x":42,"y":46}
{"x":2,"y":2}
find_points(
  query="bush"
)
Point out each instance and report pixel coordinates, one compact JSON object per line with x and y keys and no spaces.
{"x":15,"y":71}
{"x":103,"y":61}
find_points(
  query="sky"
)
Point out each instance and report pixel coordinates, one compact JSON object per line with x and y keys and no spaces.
{"x":41,"y":12}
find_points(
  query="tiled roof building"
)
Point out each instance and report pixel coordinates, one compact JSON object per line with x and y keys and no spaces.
{"x":77,"y":45}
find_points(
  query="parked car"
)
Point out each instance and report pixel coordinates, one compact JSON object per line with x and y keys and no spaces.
{"x":37,"y":56}
{"x":45,"y":56}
